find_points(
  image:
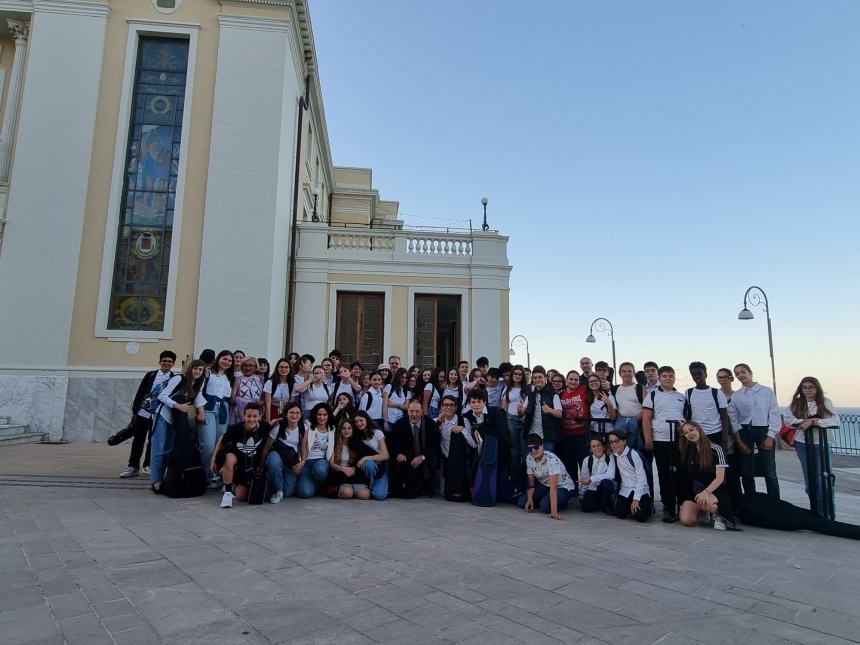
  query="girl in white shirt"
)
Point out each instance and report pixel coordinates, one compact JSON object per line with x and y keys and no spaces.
{"x":319,"y":443}
{"x":600,"y":406}
{"x":313,"y":391}
{"x":217,"y":388}
{"x":396,"y":396}
{"x":811,"y":410}
{"x":278,"y":391}
{"x":282,"y":447}
{"x":371,"y":401}
{"x":433,"y":392}
{"x":373,"y":466}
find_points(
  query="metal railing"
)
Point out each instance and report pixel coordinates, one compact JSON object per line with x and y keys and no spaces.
{"x":847,"y":440}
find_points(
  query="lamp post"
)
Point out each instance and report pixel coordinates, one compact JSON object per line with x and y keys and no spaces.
{"x":757,"y":297}
{"x":521,"y":341}
{"x":485,"y":226}
{"x":602,"y":325}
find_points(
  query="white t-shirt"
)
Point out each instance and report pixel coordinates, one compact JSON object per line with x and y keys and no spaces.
{"x":313,"y":395}
{"x":374,"y":410}
{"x":705,"y":411}
{"x":218,"y":385}
{"x":537,"y":419}
{"x":318,"y":446}
{"x":667,"y":406}
{"x":627,"y":403}
{"x":513,"y":398}
{"x":395,"y":414}
{"x":281,"y":393}
{"x":374,"y":441}
{"x":165,"y":397}
{"x":546,"y":466}
{"x":434,"y":397}
{"x":290,"y":438}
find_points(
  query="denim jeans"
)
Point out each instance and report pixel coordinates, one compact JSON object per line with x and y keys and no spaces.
{"x":633,"y":429}
{"x":162,"y":444}
{"x":282,"y":478}
{"x":802,"y":450}
{"x":312,"y":476}
{"x":515,"y":434}
{"x":755,"y":436}
{"x":208,"y":434}
{"x":541,"y":498}
{"x":378,"y":482}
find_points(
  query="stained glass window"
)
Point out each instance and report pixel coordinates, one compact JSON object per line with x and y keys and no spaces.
{"x":141,"y":268}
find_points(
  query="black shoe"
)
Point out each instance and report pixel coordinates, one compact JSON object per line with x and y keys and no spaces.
{"x":155,"y":490}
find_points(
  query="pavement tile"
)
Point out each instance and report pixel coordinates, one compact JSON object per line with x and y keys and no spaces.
{"x":69,"y":605}
{"x":284,"y":618}
{"x":26,"y":624}
{"x":146,"y":575}
{"x":171,"y":610}
{"x":85,"y":630}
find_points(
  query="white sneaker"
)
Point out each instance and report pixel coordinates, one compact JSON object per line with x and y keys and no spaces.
{"x":129,"y":472}
{"x":227,"y":500}
{"x":146,"y":470}
{"x":276,"y":498}
{"x":719,"y":524}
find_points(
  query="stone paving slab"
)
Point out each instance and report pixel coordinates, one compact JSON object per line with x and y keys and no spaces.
{"x":116,"y":564}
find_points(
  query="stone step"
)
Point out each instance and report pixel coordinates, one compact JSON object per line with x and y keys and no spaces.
{"x":4,"y":421}
{"x":11,"y":428}
{"x":22,"y":437}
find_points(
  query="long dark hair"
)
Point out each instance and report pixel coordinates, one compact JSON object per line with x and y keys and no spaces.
{"x":370,"y":428}
{"x":396,"y":381}
{"x":800,"y":408}
{"x":276,"y":377}
{"x":188,"y":385}
{"x":589,"y":393}
{"x":229,"y":373}
{"x":434,"y":379}
{"x":706,"y":453}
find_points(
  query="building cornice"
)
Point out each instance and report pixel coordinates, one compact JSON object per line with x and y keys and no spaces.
{"x":252,"y":22}
{"x":72,"y":7}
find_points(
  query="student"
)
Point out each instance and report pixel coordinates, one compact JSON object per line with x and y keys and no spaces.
{"x":634,"y":495}
{"x":278,"y":391}
{"x":414,"y":444}
{"x":372,"y":400}
{"x":180,"y":395}
{"x":345,"y":383}
{"x":385,"y":372}
{"x":355,"y":371}
{"x":702,"y":479}
{"x":597,"y":480}
{"x":483,"y":364}
{"x":319,"y":444}
{"x":586,"y":367}
{"x":707,"y":406}
{"x":600,"y":406}
{"x":285,"y":453}
{"x":756,"y":422}
{"x":395,"y":396}
{"x":144,"y":405}
{"x":628,"y":397}
{"x":463,"y":369}
{"x":295,"y":362}
{"x":725,"y":378}
{"x":415,"y":392}
{"x":454,"y":387}
{"x":328,"y":371}
{"x":482,"y":421}
{"x":314,"y":390}
{"x":336,"y":358}
{"x":456,"y":447}
{"x":811,"y":409}
{"x":373,"y":464}
{"x":495,"y":387}
{"x":557,"y":383}
{"x":514,"y":402}
{"x":238,"y":454}
{"x":652,"y":376}
{"x":602,"y":369}
{"x":573,"y":436}
{"x":349,"y":479}
{"x":543,"y":410}
{"x":549,"y":485}
{"x":247,"y":387}
{"x":344,"y":408}
{"x":433,"y":390}
{"x":238,"y":357}
{"x":217,"y":389}
{"x":659,"y":407}
{"x":263,"y":369}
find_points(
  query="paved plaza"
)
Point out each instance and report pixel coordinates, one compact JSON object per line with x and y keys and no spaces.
{"x":88,"y":558}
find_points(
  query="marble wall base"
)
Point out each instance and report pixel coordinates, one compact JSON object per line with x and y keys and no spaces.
{"x":69,"y":408}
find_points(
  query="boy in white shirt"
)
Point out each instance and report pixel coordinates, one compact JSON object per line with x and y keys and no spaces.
{"x":550,"y":487}
{"x":597,"y":480}
{"x":634,"y":495}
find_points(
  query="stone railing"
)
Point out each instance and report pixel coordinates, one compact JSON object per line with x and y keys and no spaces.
{"x":360,"y":241}
{"x":438,"y":245}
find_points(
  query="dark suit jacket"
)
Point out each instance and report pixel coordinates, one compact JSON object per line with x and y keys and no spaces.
{"x":401,"y":440}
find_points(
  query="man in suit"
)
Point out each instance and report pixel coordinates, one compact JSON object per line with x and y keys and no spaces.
{"x":144,"y":407}
{"x":414,"y":452}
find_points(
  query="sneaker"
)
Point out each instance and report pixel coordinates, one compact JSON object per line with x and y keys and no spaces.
{"x":129,"y":472}
{"x":276,"y":498}
{"x":146,"y":470}
{"x":719,"y":523}
{"x":227,"y":500}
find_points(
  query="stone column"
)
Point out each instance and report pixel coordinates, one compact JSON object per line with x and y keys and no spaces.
{"x":20,"y":30}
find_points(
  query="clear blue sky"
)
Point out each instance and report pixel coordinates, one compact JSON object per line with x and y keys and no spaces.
{"x":648,"y":161}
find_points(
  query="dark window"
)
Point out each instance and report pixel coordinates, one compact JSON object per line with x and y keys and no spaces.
{"x":142,"y":263}
{"x":437,"y":331}
{"x":359,"y":329}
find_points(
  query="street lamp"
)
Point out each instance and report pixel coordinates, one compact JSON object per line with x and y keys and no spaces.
{"x":757,"y":297}
{"x":603,"y":325}
{"x":485,"y":226}
{"x":519,"y":340}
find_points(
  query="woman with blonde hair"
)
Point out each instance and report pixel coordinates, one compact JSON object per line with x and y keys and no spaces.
{"x":702,"y":479}
{"x":247,"y":388}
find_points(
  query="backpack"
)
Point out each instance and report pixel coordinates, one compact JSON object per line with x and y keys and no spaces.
{"x":605,"y":458}
{"x":640,"y":392}
{"x":258,"y":491}
{"x":184,"y":476}
{"x":688,"y":404}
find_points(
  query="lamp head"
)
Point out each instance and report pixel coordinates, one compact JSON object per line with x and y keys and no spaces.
{"x":511,"y":352}
{"x":745,"y":314}
{"x":591,"y":339}
{"x":484,"y":201}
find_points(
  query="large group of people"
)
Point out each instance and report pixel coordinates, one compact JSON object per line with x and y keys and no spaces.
{"x":533,"y":437}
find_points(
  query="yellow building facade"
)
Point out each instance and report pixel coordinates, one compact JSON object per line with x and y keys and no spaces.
{"x":171,"y":186}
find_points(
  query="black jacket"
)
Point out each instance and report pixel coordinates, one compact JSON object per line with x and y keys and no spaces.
{"x":549,"y":423}
{"x":401,"y":439}
{"x":144,"y":388}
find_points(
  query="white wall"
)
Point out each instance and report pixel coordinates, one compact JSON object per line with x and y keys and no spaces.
{"x":246,"y":227}
{"x":48,"y":186}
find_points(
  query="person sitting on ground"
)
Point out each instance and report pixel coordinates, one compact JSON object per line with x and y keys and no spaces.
{"x":702,"y":486}
{"x":634,"y":495}
{"x":597,"y":480}
{"x":238,"y":454}
{"x":414,"y":444}
{"x":550,"y":487}
{"x":349,"y":479}
{"x":374,"y":463}
{"x":285,"y":454}
{"x":319,"y":442}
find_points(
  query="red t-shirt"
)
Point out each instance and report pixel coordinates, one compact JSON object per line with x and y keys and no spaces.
{"x":574,"y":404}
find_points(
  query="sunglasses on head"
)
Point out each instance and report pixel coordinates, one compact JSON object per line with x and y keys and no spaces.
{"x":534,"y":447}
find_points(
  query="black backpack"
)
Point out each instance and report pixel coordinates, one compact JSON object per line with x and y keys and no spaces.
{"x":688,"y":403}
{"x":640,"y":391}
{"x":184,"y":476}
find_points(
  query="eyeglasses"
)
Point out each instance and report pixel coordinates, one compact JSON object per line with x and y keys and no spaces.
{"x":534,"y":447}
{"x":614,"y":441}
{"x":723,"y":377}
